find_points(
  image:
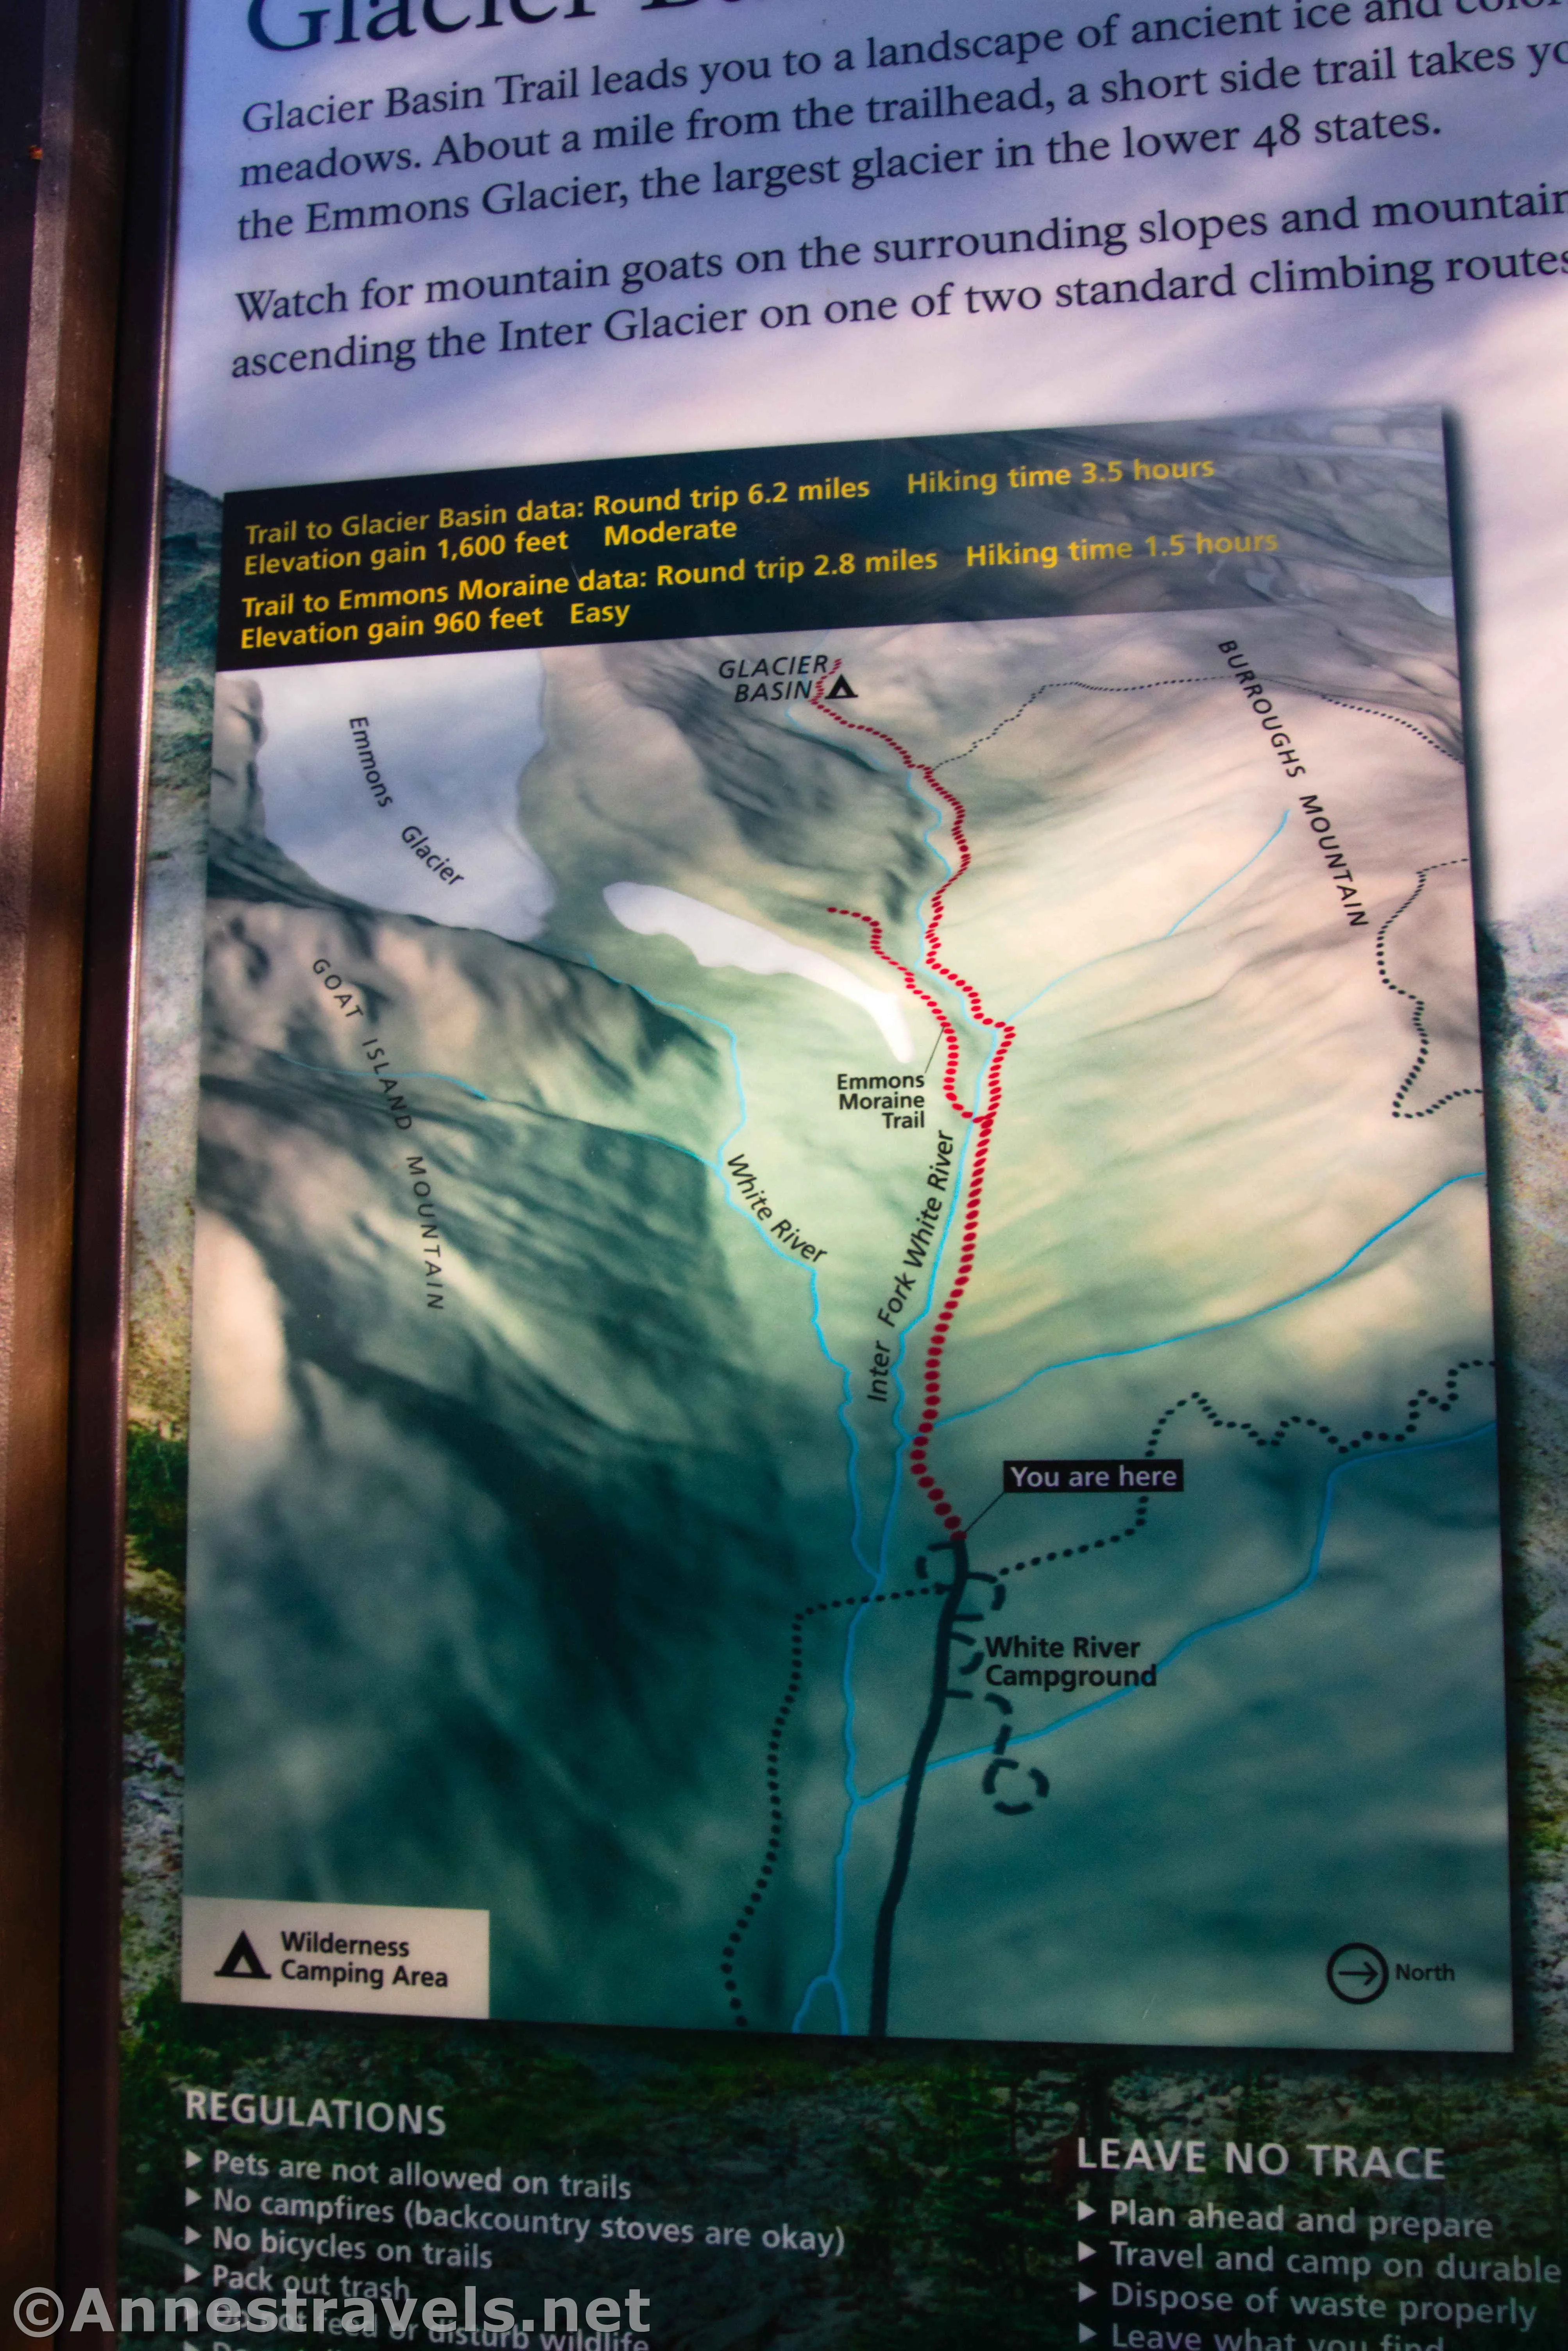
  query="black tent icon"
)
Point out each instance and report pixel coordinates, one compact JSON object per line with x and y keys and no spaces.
{"x":841,"y":690}
{"x":242,"y":1962}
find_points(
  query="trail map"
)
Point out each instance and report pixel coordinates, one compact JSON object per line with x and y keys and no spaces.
{"x":844,"y":1333}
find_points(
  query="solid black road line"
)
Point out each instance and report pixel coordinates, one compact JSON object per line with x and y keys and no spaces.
{"x":903,"y":1844}
{"x":760,"y":1883}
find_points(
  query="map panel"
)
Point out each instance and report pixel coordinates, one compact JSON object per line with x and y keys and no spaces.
{"x":843,"y":1331}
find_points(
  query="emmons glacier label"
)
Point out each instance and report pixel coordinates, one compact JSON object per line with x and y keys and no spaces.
{"x":951,"y":1491}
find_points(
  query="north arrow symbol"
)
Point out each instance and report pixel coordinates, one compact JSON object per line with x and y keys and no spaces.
{"x":1361,"y":1964}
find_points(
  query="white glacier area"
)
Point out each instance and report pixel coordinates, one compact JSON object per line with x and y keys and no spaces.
{"x":716,"y":938}
{"x":447,"y":740}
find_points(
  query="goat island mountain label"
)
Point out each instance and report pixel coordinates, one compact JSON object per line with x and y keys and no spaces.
{"x":841,"y":1093}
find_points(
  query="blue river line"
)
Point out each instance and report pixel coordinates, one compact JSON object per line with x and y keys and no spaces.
{"x":1113,"y":1697}
{"x":877,"y":1573}
{"x":1241,"y":868}
{"x":716,"y":1165}
{"x":1234,"y":1322}
{"x":1063,"y":976}
{"x":937,"y":817}
{"x":1220,"y":1624}
{"x":829,"y":1978}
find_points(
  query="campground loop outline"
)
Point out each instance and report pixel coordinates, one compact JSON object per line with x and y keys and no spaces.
{"x":1441,"y":1398}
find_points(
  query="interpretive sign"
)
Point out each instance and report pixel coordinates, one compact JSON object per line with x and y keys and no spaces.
{"x":852,"y":1076}
{"x":755,"y":1076}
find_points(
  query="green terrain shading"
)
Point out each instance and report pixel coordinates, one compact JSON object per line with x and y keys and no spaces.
{"x":951,"y":2169}
{"x":573,"y":1555}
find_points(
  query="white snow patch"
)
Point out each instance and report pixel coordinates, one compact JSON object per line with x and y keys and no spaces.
{"x":715,"y":938}
{"x":450,"y":736}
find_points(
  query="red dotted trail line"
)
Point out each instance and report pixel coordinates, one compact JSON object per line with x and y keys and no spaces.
{"x":983,"y":1121}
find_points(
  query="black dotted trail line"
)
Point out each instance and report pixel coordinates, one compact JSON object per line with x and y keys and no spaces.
{"x":1367,"y":711}
{"x":1397,"y":1109}
{"x":1059,"y":685}
{"x":922,"y":1591}
{"x":1291,"y":686}
{"x":1071,"y":1551}
{"x":1425,"y":1400}
{"x":1416,"y":1406}
{"x":926,"y":1591}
